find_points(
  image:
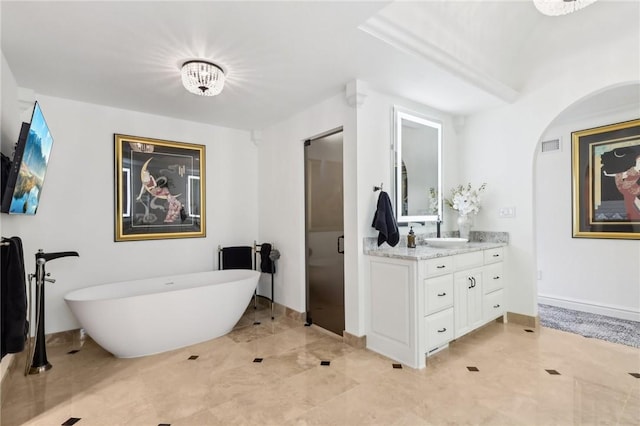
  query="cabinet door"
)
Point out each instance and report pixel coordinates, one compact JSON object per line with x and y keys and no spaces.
{"x":468,"y":301}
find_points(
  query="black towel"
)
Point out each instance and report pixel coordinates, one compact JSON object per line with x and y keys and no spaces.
{"x":14,"y":325}
{"x":266,"y":263}
{"x":385,"y":222}
{"x":240,"y":257}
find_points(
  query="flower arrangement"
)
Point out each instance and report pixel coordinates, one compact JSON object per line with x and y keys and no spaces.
{"x":433,"y":201}
{"x":465,"y":199}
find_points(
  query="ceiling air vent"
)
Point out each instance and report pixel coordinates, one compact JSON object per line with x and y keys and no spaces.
{"x":549,"y":146}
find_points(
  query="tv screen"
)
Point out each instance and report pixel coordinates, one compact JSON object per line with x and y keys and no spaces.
{"x":29,"y":166}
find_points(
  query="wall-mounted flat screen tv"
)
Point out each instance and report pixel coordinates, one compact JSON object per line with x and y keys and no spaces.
{"x":29,"y":166}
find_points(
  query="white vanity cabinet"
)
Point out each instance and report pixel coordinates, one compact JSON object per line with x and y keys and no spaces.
{"x":416,"y":306}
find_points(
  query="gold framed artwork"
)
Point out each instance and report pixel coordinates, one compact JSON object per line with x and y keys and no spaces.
{"x":159,"y":189}
{"x":606,"y":181}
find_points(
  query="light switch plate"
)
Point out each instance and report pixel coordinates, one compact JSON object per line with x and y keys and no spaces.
{"x":506,"y":212}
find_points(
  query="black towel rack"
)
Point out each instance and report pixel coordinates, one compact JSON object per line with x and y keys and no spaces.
{"x":256,"y":249}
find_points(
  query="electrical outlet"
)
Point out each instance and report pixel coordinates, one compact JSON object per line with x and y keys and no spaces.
{"x":539,"y":276}
{"x":506,"y":212}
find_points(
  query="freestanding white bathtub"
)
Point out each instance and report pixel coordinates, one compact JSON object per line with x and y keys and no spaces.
{"x":145,"y":317}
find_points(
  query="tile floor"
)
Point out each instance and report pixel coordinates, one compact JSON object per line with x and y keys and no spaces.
{"x":498,"y":375}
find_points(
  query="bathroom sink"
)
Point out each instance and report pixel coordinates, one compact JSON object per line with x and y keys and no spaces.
{"x":446,"y":242}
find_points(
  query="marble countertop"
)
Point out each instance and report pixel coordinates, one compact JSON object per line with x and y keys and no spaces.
{"x":422,"y":252}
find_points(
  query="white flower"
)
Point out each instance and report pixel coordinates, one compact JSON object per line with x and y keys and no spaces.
{"x":465,"y":200}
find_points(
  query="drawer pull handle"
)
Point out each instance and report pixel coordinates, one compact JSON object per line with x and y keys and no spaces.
{"x":441,"y":266}
{"x":496,"y":306}
{"x":442,"y":294}
{"x":497,"y":277}
{"x":496,"y":255}
{"x":442,"y":330}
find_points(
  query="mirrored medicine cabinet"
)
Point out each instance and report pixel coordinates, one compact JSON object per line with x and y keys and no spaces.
{"x":417,"y":165}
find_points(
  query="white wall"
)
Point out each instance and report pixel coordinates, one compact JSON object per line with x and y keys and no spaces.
{"x":77,"y":202}
{"x":499,"y":147}
{"x":593,"y":275}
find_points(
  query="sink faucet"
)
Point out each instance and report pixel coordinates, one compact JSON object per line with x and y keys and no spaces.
{"x":438,"y":223}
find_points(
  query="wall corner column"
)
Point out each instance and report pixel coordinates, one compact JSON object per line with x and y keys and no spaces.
{"x":356,"y":93}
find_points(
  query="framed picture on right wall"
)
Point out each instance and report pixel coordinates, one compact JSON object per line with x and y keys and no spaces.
{"x":605,"y":175}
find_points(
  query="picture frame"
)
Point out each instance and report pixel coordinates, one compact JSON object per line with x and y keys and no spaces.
{"x":159,"y":189}
{"x":606,"y":181}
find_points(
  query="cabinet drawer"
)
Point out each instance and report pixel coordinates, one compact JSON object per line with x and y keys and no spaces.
{"x":493,"y":305}
{"x":468,"y":260}
{"x":438,"y":293}
{"x":493,"y":255}
{"x":438,"y":266}
{"x":439,"y":328}
{"x":493,"y":278}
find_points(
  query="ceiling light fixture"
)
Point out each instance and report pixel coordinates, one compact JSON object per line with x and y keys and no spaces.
{"x":202,"y":78}
{"x":560,"y":7}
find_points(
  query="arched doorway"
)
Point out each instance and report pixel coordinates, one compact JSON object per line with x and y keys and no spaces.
{"x":597,"y":276}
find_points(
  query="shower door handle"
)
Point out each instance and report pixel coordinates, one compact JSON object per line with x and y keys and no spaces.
{"x":341,"y":237}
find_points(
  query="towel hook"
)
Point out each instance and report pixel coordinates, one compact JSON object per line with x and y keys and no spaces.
{"x":377,"y":188}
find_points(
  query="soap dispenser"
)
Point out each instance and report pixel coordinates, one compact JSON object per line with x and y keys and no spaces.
{"x":411,"y":238}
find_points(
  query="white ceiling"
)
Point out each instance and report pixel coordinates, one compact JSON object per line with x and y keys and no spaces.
{"x":280,"y":57}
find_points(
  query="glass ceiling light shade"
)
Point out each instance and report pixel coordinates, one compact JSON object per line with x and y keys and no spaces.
{"x":202,"y":78}
{"x":560,"y":7}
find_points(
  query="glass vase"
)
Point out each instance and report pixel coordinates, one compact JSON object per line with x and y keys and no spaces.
{"x":464,"y":225}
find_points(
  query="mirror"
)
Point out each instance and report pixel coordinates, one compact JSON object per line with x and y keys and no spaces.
{"x":417,"y":168}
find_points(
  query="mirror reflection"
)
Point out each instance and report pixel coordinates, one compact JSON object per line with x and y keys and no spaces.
{"x":417,"y":164}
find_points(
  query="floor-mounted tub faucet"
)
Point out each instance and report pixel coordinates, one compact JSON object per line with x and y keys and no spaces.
{"x":39,"y":362}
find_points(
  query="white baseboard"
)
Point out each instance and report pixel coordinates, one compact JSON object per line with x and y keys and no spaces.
{"x":593,"y":308}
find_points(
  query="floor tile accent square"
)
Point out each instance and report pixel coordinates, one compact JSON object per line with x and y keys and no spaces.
{"x":472,"y":368}
{"x":192,"y":357}
{"x":397,"y":366}
{"x":257,"y":360}
{"x":257,"y":323}
{"x":636,"y":375}
{"x":528,"y":330}
{"x":553,"y":372}
{"x":75,"y":351}
{"x":325,"y":362}
{"x":71,"y":421}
